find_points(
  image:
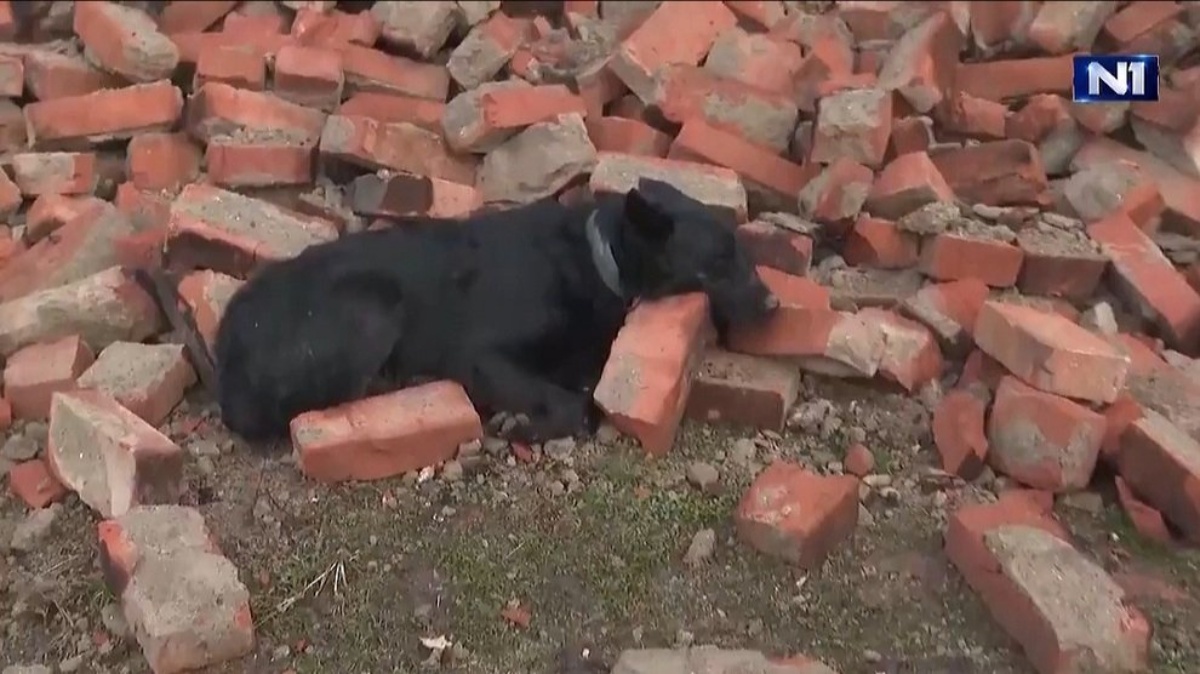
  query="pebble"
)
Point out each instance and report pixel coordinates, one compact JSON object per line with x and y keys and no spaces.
{"x":703,"y":475}
{"x":743,"y":451}
{"x":1100,"y":318}
{"x":71,"y":664}
{"x":702,"y":547}
{"x":20,"y":447}
{"x":452,"y":471}
{"x":559,"y":449}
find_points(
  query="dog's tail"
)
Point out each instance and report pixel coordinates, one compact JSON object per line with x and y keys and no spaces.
{"x":159,"y":284}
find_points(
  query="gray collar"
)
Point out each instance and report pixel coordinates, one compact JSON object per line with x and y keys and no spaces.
{"x":602,"y":257}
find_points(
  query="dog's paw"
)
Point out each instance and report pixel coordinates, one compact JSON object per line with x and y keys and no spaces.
{"x":567,"y":417}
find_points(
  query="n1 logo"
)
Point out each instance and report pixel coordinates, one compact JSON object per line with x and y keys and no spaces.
{"x":1107,"y":78}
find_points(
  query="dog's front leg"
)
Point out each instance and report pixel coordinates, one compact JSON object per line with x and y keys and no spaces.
{"x":553,"y":411}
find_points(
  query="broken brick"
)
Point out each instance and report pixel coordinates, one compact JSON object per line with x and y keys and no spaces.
{"x":644,"y":387}
{"x":952,"y":256}
{"x":147,"y":379}
{"x":907,"y":183}
{"x":877,"y":243}
{"x":234,"y":65}
{"x":716,"y":187}
{"x":1043,"y":440}
{"x":999,"y":173}
{"x":162,"y":161}
{"x":37,"y":173}
{"x":1159,"y":462}
{"x":959,"y":433}
{"x":1050,"y":352}
{"x":797,"y":516}
{"x":109,"y":456}
{"x":853,"y":124}
{"x":32,"y":482}
{"x":771,"y":246}
{"x":113,"y":114}
{"x":743,"y":390}
{"x":387,"y":435}
{"x":910,"y":356}
{"x":34,"y":373}
{"x":125,"y":40}
{"x":206,"y":294}
{"x":395,"y":146}
{"x":673,"y":34}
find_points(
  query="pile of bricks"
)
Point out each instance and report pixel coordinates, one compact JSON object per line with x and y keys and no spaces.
{"x":932,"y":210}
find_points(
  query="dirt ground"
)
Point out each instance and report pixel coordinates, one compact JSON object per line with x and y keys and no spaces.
{"x":589,"y":543}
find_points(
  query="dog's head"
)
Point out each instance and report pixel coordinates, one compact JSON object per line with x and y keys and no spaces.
{"x":678,"y":245}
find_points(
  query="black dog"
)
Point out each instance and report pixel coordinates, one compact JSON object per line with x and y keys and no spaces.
{"x":520,"y":307}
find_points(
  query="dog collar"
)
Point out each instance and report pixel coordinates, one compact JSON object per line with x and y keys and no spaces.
{"x":602,"y":256}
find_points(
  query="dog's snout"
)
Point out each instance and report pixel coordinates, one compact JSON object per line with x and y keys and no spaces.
{"x":771,"y":302}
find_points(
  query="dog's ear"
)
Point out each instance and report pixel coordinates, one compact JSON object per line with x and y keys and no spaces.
{"x":647,"y":218}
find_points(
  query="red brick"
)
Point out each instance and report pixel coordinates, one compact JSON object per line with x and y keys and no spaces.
{"x":316,"y":28}
{"x":32,"y":482}
{"x":37,"y":173}
{"x":1041,"y":115}
{"x":1159,"y":462}
{"x":762,"y":61}
{"x":907,"y":183}
{"x":771,"y":246}
{"x":921,"y":65}
{"x":480,"y":119}
{"x":49,"y":75}
{"x":644,"y":387}
{"x":1169,"y":128}
{"x":797,"y":516}
{"x":800,"y":327}
{"x":1102,"y":190}
{"x":112,"y":114}
{"x":12,"y":76}
{"x":599,"y":87}
{"x":879,"y":21}
{"x":235,"y":164}
{"x":955,"y":256}
{"x":1147,"y":278}
{"x":1018,"y":78}
{"x":385,"y":436}
{"x":762,"y":13}
{"x":221,"y":110}
{"x":628,"y":136}
{"x":1043,"y":440}
{"x":717,"y":187}
{"x":1059,"y":263}
{"x":1145,"y":519}
{"x":206,"y":294}
{"x":1015,"y":556}
{"x":8,"y":24}
{"x":105,"y":306}
{"x":249,"y":25}
{"x":146,"y":210}
{"x":109,"y":456}
{"x":405,"y":194}
{"x":372,"y":70}
{"x":388,"y":108}
{"x":959,"y":435}
{"x":34,"y":373}
{"x":12,"y":127}
{"x":183,"y":17}
{"x":880,"y":244}
{"x":949,"y":310}
{"x":1050,"y":352}
{"x":418,"y":28}
{"x":689,"y":92}
{"x":6,"y":415}
{"x":147,"y":379}
{"x":125,"y":40}
{"x":80,"y":247}
{"x":853,"y":124}
{"x":309,"y":76}
{"x":1180,"y":192}
{"x":49,"y":212}
{"x":234,"y":234}
{"x":673,"y":34}
{"x":742,"y":390}
{"x":192,"y":45}
{"x":1059,"y":29}
{"x":235,"y":66}
{"x":398,"y":146}
{"x":10,"y":196}
{"x":910,"y":357}
{"x":762,"y":171}
{"x":165,"y":556}
{"x":486,"y":49}
{"x":859,"y":460}
{"x":1000,"y":173}
{"x":1141,"y":27}
{"x":972,"y":117}
{"x":995,"y":25}
{"x":837,"y":194}
{"x":162,"y":161}
{"x":1118,"y":416}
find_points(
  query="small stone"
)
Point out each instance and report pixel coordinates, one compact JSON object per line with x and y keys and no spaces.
{"x":20,"y":447}
{"x":71,"y":664}
{"x":452,"y":471}
{"x":743,"y":451}
{"x":1101,"y":319}
{"x":702,"y":547}
{"x":703,"y":476}
{"x":560,"y":449}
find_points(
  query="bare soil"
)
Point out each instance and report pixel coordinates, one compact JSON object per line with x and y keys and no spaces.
{"x":589,"y":545}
